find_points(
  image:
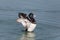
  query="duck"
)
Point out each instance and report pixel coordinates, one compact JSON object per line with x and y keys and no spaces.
{"x":28,"y":22}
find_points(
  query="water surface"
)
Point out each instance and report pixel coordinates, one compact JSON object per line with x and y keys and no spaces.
{"x":47,"y":17}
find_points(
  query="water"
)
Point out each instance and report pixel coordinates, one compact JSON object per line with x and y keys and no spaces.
{"x":47,"y":16}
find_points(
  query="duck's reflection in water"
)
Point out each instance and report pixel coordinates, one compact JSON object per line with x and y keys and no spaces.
{"x":28,"y":36}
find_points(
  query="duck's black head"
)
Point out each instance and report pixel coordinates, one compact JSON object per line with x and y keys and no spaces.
{"x":31,"y":15}
{"x":31,"y":18}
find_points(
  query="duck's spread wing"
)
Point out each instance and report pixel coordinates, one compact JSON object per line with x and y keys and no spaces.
{"x":19,"y":20}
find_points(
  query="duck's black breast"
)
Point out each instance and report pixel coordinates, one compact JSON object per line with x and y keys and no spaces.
{"x":32,"y":20}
